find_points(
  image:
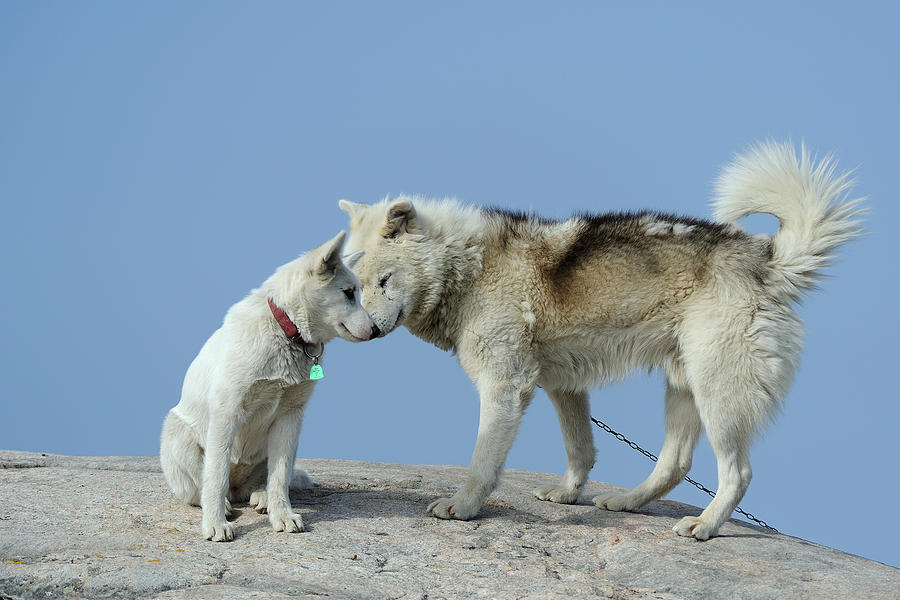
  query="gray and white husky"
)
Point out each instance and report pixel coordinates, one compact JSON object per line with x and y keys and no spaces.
{"x":233,"y":435}
{"x":569,"y":305}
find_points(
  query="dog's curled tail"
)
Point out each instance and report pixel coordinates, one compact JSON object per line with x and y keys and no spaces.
{"x":806,"y":195}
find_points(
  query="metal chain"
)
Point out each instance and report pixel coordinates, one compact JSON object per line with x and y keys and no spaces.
{"x":696,"y":484}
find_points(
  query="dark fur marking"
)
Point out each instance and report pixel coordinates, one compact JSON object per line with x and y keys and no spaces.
{"x":518,"y":216}
{"x":616,"y":231}
{"x":625,"y":231}
{"x":515,"y":224}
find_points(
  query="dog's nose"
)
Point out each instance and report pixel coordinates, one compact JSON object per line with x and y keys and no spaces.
{"x":375,"y":331}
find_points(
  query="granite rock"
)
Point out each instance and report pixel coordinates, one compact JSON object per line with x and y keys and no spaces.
{"x":107,"y":527}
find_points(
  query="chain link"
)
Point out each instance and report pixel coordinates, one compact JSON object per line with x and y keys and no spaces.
{"x":696,"y":484}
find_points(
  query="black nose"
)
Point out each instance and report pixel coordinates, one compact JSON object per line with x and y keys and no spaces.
{"x":375,"y":331}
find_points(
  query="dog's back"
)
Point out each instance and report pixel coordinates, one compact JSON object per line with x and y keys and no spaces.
{"x":617,"y":270}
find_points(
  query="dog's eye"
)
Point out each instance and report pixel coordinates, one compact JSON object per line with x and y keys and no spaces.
{"x":384,"y":279}
{"x":350,"y":294}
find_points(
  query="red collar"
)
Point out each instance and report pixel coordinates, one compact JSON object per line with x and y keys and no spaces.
{"x":287,"y":326}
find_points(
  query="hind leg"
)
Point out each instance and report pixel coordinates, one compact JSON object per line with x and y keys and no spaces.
{"x":682,"y":430}
{"x":732,"y":457}
{"x":246,"y":479}
{"x":739,"y":368}
{"x":181,"y":458}
{"x":300,"y":480}
{"x":730,"y":421}
{"x":573,"y":410}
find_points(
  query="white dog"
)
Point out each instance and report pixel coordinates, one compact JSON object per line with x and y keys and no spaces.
{"x":233,"y":435}
{"x":567,"y":306}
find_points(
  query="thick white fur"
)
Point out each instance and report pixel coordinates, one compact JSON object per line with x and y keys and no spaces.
{"x":729,"y":340}
{"x":233,"y":435}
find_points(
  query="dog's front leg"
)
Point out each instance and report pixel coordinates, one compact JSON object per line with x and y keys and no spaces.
{"x":503,"y":401}
{"x":216,"y":470}
{"x":282,"y":450}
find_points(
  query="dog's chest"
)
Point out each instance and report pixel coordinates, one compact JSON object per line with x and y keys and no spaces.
{"x":269,"y":397}
{"x":266,"y":402}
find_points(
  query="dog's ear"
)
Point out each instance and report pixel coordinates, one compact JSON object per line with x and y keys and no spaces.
{"x":330,"y":258}
{"x":351,"y":259}
{"x":400,"y":219}
{"x":352,"y":208}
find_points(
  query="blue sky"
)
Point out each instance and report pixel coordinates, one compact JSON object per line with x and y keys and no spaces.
{"x":159,"y":160}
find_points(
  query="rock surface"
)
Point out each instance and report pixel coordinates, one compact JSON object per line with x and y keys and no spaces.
{"x":73,"y":527}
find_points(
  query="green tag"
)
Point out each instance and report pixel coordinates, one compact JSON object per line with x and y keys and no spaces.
{"x":316,"y":372}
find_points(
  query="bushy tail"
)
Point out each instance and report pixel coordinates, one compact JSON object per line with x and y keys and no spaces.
{"x":806,"y":195}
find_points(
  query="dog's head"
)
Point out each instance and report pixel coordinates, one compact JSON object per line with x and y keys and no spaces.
{"x":390,"y":272}
{"x":321,"y":289}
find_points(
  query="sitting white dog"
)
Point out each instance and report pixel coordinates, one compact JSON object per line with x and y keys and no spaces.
{"x":233,"y":436}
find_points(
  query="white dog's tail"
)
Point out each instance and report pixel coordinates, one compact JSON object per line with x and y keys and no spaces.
{"x":807,"y":197}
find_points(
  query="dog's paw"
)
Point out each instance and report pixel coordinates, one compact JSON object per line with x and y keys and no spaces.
{"x":614,"y":501}
{"x":218,"y":532}
{"x":453,"y":508}
{"x":288,"y":522}
{"x":229,"y":512}
{"x":696,"y":528}
{"x":258,"y":501}
{"x":301,"y":481}
{"x":557,"y":493}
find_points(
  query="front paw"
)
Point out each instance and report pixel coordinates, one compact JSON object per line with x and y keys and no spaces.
{"x":614,"y":501}
{"x":258,"y":501}
{"x":218,"y":532}
{"x":695,"y":527}
{"x":288,"y":522}
{"x":557,"y":493}
{"x":457,"y":507}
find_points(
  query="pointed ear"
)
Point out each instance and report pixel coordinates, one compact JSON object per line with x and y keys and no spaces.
{"x":352,"y":208}
{"x":400,"y":219}
{"x":351,"y":259}
{"x":330,"y":257}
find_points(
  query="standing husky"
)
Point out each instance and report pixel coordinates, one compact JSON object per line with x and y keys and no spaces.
{"x":243,"y":396}
{"x":569,"y":305}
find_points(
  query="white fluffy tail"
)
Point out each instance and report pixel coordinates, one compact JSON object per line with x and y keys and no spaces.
{"x":807,"y":197}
